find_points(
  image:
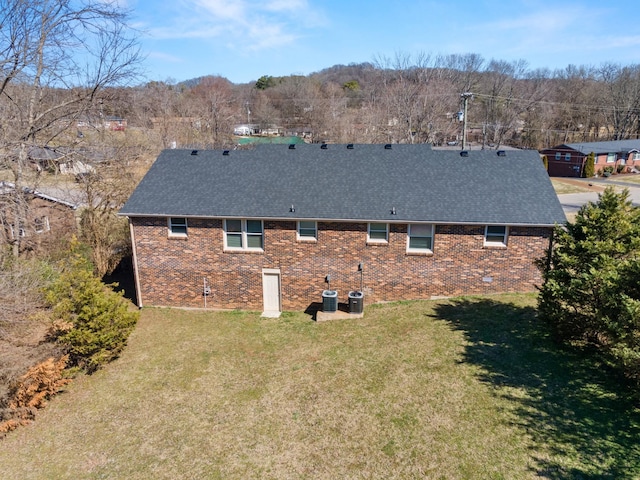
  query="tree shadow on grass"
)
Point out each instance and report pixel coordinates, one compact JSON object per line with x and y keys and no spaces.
{"x":584,"y":413}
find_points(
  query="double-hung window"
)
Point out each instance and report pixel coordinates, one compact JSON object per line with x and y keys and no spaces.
{"x":21,"y":231}
{"x":243,"y":235}
{"x":378,"y":233}
{"x":41,"y":224}
{"x":307,"y":230}
{"x":177,"y":227}
{"x":611,"y":157}
{"x":420,"y":238}
{"x":495,"y":236}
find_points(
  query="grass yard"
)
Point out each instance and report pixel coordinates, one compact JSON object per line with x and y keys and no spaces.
{"x":634,"y":179}
{"x":564,"y":185}
{"x":452,"y":389}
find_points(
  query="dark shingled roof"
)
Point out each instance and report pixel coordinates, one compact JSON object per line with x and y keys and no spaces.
{"x":365,"y":183}
{"x":613,"y":146}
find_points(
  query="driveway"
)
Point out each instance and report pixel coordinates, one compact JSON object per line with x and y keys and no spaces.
{"x":571,"y":202}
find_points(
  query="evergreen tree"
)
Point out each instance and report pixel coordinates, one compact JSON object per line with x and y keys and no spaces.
{"x":91,"y":321}
{"x":589,"y":166}
{"x":591,"y":289}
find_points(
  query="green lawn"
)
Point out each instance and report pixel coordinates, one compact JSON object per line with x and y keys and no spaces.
{"x":627,"y":178}
{"x":561,"y":187}
{"x":453,"y":389}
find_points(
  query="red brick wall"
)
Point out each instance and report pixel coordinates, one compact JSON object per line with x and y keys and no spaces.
{"x":171,"y":270}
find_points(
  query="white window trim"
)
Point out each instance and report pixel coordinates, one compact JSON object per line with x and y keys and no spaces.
{"x":496,"y":244}
{"x":612,"y":157}
{"x":243,"y":235}
{"x":377,"y":240}
{"x":45,"y":227}
{"x":22,"y":232}
{"x":306,"y":238}
{"x":420,"y":250}
{"x":171,"y":224}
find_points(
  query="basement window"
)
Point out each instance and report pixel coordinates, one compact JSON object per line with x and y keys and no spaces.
{"x":307,"y":230}
{"x":378,"y":233}
{"x":495,"y":236}
{"x":178,"y":227}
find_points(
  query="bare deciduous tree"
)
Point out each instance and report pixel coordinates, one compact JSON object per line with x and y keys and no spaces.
{"x":56,"y":56}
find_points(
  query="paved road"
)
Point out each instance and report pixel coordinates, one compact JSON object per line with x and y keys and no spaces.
{"x":571,"y":202}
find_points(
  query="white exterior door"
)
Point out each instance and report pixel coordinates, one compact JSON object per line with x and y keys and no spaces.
{"x":271,"y":292}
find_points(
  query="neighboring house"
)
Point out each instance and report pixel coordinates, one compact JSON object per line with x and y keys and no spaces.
{"x":64,"y":160}
{"x":49,"y":221}
{"x":116,"y":124}
{"x":111,"y":122}
{"x":263,"y":228}
{"x":568,"y":160}
{"x":246,"y":129}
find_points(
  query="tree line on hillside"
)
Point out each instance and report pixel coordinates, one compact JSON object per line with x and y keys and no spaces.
{"x":405,"y":99}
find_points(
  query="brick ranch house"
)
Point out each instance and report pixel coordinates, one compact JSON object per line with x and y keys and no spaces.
{"x":568,"y":160}
{"x":262,"y":228}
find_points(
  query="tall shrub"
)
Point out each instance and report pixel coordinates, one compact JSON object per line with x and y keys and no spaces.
{"x":91,"y":321}
{"x":590,"y":166}
{"x":591,"y":289}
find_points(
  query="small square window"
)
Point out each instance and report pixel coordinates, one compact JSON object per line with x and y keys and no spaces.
{"x":495,"y":235}
{"x":567,"y":157}
{"x":177,"y":227}
{"x":378,"y":232}
{"x":307,"y":230}
{"x":558,"y":155}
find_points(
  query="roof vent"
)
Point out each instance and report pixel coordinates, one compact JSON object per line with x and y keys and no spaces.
{"x":501,"y":153}
{"x":350,"y":146}
{"x":464,"y":153}
{"x":324,"y":146}
{"x":226,"y":152}
{"x":387,"y":146}
{"x":292,"y":146}
{"x":194,"y":152}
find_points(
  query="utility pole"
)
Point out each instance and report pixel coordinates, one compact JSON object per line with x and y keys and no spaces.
{"x":465,"y":99}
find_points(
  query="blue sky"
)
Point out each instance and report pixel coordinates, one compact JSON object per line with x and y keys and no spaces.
{"x":245,"y":39}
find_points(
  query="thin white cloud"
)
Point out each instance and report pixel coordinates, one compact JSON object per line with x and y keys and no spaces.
{"x":222,"y":9}
{"x":548,"y":18}
{"x":247,"y":24}
{"x":165,"y":57}
{"x":552,"y":30}
{"x":285,"y":5}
